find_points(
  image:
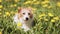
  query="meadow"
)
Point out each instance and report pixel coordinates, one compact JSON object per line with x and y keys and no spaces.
{"x":46,"y":16}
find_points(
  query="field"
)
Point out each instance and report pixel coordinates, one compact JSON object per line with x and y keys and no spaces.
{"x":46,"y":16}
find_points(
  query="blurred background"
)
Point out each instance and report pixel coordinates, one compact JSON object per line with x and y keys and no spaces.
{"x":46,"y":16}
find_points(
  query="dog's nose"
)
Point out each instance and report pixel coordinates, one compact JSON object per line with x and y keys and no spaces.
{"x":26,"y":18}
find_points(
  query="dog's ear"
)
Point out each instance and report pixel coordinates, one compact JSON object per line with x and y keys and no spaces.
{"x":29,"y":8}
{"x":19,"y":9}
{"x":31,"y":16}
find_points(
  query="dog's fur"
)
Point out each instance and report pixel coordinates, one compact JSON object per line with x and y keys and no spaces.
{"x":25,"y":16}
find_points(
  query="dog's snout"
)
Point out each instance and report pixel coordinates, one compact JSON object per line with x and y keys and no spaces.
{"x":27,"y":18}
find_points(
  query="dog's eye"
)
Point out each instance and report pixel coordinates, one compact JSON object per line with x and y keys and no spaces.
{"x":28,"y":13}
{"x":24,"y":13}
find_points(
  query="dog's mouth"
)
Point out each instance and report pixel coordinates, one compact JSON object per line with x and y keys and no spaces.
{"x":26,"y":20}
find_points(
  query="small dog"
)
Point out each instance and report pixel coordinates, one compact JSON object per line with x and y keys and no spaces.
{"x":25,"y":16}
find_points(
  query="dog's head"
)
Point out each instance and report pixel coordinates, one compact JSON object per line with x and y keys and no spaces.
{"x":25,"y":13}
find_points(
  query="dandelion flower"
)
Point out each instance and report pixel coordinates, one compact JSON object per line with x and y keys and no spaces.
{"x":45,"y":5}
{"x":50,"y":14}
{"x":46,"y":19}
{"x":47,"y":1}
{"x":1,"y":6}
{"x":16,"y":0}
{"x":19,"y":24}
{"x":56,"y":18}
{"x":0,"y":13}
{"x":15,"y":5}
{"x":27,"y":2}
{"x":44,"y":2}
{"x":58,"y":4}
{"x":42,"y":15}
{"x":37,"y":2}
{"x":7,"y":14}
{"x":0,"y":0}
{"x":0,"y":32}
{"x":52,"y":20}
{"x":34,"y":1}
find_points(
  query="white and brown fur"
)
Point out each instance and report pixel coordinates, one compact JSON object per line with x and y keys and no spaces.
{"x":25,"y":16}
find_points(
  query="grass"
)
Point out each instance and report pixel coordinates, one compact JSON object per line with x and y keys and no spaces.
{"x":46,"y":16}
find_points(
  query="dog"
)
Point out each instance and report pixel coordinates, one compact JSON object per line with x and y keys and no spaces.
{"x":25,"y":16}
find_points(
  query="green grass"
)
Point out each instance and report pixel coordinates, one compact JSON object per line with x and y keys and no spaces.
{"x":45,"y":24}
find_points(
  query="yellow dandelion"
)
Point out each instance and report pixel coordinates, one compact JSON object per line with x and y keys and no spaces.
{"x":47,"y":1}
{"x":0,"y":32}
{"x":19,"y":24}
{"x":56,"y":18}
{"x":16,"y":0}
{"x":37,"y":2}
{"x":7,"y":13}
{"x":27,"y":2}
{"x":42,"y":15}
{"x":45,"y":19}
{"x":15,"y":5}
{"x":46,"y":5}
{"x":1,"y":6}
{"x":29,"y":7}
{"x":52,"y":20}
{"x":44,"y":2}
{"x":0,"y":0}
{"x":34,"y":0}
{"x":0,"y":13}
{"x":58,"y":4}
{"x":50,"y":14}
